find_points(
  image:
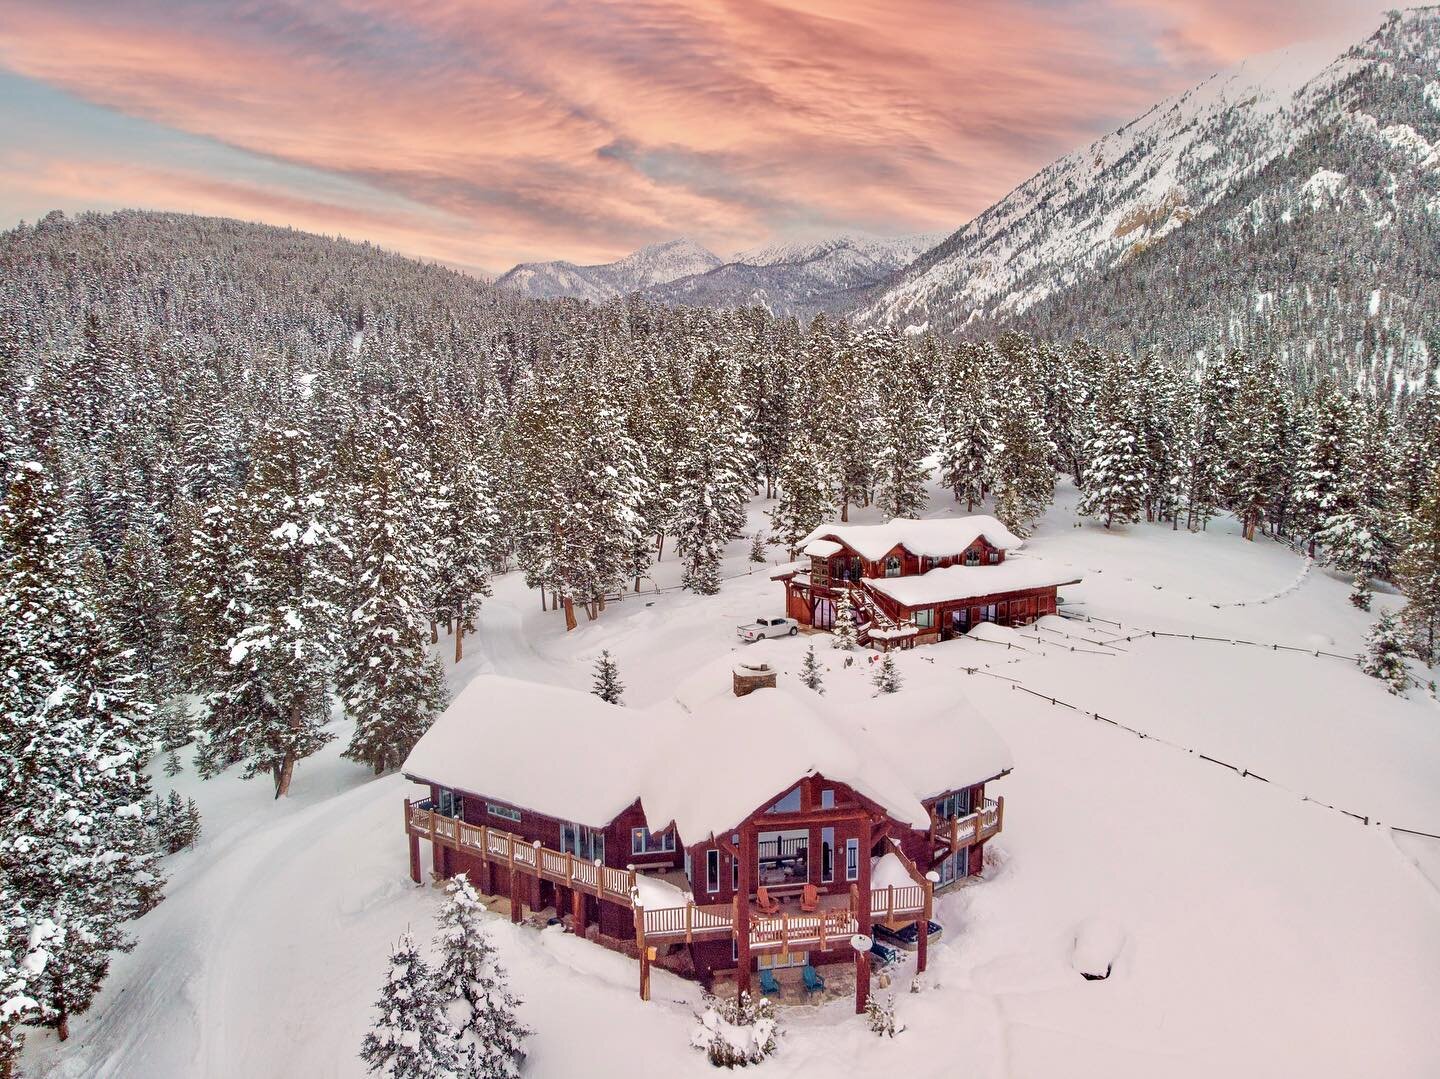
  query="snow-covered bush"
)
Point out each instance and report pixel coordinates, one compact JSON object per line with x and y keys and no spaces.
{"x":810,"y":672}
{"x":736,"y":1033}
{"x":887,"y":678}
{"x":1385,"y":654}
{"x":880,"y":1016}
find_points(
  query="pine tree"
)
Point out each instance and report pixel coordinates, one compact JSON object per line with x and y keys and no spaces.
{"x":464,"y":522}
{"x":1021,"y":473}
{"x":887,"y":677}
{"x":1115,"y":479}
{"x":810,"y":672}
{"x":1257,"y":445}
{"x":412,"y":1038}
{"x":1326,"y":458}
{"x":1417,"y":571}
{"x":757,"y":548}
{"x":489,"y":1038}
{"x":607,"y":685}
{"x":966,"y":421}
{"x":1385,"y":654}
{"x":286,"y":653}
{"x":391,"y":685}
{"x":903,"y":439}
{"x":76,"y":858}
{"x":806,"y":498}
{"x":843,"y":633}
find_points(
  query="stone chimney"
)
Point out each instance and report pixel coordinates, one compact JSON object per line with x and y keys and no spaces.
{"x":748,"y":677}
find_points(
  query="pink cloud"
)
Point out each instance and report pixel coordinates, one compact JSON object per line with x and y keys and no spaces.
{"x":584,"y":128}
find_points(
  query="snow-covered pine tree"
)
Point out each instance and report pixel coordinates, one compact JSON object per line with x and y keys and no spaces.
{"x":1211,"y":431}
{"x":464,"y":530}
{"x":1258,"y":444}
{"x":846,"y":397}
{"x":1385,"y":654}
{"x":843,"y":633}
{"x":887,"y":677}
{"x":289,"y":648}
{"x":902,"y":437}
{"x":1022,"y":477}
{"x":806,"y":497}
{"x":489,"y":1037}
{"x":1115,"y":479}
{"x":966,"y":423}
{"x":712,"y":488}
{"x":607,"y":685}
{"x":1417,"y":571}
{"x":810,"y":672}
{"x":1329,"y":448}
{"x":412,"y":1038}
{"x":757,"y":548}
{"x":391,"y":685}
{"x":76,"y":858}
{"x":1358,"y":536}
{"x":140,"y":606}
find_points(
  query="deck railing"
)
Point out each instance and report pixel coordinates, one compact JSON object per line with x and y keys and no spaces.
{"x":689,"y":922}
{"x":973,"y":828}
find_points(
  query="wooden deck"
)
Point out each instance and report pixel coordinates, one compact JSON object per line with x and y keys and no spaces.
{"x":835,"y":923}
{"x":966,"y":831}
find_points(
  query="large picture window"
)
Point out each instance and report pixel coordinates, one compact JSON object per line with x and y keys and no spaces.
{"x":925,"y":617}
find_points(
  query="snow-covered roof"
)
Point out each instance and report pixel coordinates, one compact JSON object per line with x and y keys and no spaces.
{"x":822,"y":548}
{"x":937,"y":538}
{"x":585,"y":769}
{"x":598,"y":758}
{"x":963,"y":582}
{"x":788,"y":569}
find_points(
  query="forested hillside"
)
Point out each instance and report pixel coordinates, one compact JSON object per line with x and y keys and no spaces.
{"x":259,"y":467}
{"x":1288,"y":206}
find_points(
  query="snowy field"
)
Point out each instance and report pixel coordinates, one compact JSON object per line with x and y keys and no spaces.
{"x":1264,"y":935}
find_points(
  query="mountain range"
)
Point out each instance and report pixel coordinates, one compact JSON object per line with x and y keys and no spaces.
{"x":1291,"y":202}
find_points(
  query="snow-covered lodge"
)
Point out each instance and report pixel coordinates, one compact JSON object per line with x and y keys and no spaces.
{"x":719,"y":834}
{"x":916,"y":582}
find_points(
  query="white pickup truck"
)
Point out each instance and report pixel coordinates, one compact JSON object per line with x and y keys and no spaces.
{"x":768,"y":627}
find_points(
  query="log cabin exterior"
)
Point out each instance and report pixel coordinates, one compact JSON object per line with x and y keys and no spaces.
{"x":677,"y":864}
{"x":917,"y":582}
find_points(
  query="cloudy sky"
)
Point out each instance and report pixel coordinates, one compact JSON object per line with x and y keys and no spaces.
{"x":487,"y":132}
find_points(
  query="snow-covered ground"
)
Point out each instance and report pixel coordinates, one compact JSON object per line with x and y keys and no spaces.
{"x":1261,"y":934}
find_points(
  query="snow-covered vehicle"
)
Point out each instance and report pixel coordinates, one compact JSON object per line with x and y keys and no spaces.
{"x":768,"y":627}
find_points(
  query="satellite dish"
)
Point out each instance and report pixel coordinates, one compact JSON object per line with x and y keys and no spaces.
{"x":933,"y":877}
{"x":861,"y":943}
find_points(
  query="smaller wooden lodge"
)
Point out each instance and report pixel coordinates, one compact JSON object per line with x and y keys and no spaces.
{"x":916,"y":582}
{"x":719,"y":833}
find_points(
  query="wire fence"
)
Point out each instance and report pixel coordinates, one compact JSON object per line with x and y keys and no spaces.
{"x":1239,"y":770}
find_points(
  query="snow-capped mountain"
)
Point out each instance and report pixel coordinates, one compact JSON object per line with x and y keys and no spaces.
{"x":637,"y":271}
{"x":788,"y":278}
{"x":1301,"y":184}
{"x":799,"y":278}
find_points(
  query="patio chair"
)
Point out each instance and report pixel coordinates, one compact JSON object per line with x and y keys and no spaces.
{"x":764,"y":902}
{"x":813,"y":982}
{"x":768,"y":985}
{"x":810,"y":899}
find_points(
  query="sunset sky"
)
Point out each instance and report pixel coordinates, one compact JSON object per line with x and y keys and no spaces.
{"x":488,"y":133}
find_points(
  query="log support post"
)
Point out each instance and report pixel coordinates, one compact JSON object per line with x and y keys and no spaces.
{"x":862,"y":918}
{"x":514,"y":894}
{"x":414,"y":847}
{"x":747,"y":853}
{"x":577,"y":911}
{"x":644,"y":953}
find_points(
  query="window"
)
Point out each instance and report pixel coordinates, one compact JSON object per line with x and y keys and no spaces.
{"x":931,"y":561}
{"x":827,"y":855}
{"x":642,"y":842}
{"x":712,"y":870}
{"x":689,"y":866}
{"x":972,"y":557}
{"x":503,"y":812}
{"x":994,"y":557}
{"x":583,"y":842}
{"x":892,"y":566}
{"x":852,"y":859}
{"x":827,"y":799}
{"x":449,"y":804}
{"x":777,"y":961}
{"x":788,"y":804}
{"x":924,"y":617}
{"x":734,"y":874}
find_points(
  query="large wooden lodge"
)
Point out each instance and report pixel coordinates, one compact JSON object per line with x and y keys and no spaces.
{"x":916,"y":582}
{"x":725,"y":833}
